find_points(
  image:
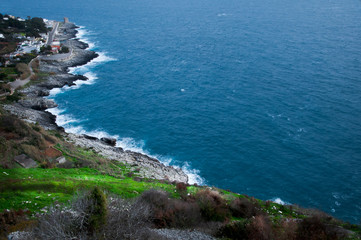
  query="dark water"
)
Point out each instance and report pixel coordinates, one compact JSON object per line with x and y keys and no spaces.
{"x":260,"y":97}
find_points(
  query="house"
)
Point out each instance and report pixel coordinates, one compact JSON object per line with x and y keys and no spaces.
{"x":55,"y":47}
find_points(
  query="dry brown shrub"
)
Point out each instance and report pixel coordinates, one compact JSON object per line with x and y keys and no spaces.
{"x":182,"y":189}
{"x":242,"y":207}
{"x":34,"y":77}
{"x":32,"y":151}
{"x":35,"y":64}
{"x":234,"y":230}
{"x":287,"y":229}
{"x":24,"y":69}
{"x":213,"y":206}
{"x":168,"y":212}
{"x":313,"y":228}
{"x":13,"y":220}
{"x":260,"y":228}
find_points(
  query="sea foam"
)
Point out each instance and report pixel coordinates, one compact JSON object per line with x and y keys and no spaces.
{"x":280,"y":201}
{"x":67,"y":122}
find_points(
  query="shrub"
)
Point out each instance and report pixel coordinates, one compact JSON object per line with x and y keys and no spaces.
{"x":213,"y":207}
{"x":167,"y":212}
{"x":182,"y":189}
{"x":47,"y":165}
{"x":259,"y":228}
{"x":127,"y":219}
{"x":286,"y":229}
{"x":244,"y":208}
{"x":313,"y":228}
{"x":234,"y":230}
{"x":97,"y":211}
{"x":9,"y":219}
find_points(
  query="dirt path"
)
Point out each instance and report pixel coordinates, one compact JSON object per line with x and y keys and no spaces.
{"x":19,"y":83}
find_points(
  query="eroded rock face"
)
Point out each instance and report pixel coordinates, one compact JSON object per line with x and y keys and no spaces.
{"x":148,"y":167}
{"x":38,"y":103}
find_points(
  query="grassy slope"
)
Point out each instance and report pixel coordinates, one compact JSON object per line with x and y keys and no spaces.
{"x":38,"y":188}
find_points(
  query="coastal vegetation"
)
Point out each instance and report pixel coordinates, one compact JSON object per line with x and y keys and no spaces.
{"x":54,"y":194}
{"x":30,"y":27}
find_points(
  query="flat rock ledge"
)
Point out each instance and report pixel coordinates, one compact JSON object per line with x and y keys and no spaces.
{"x":148,"y":167}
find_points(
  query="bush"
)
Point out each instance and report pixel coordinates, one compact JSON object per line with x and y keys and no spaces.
{"x":213,"y":207}
{"x":258,"y":228}
{"x":244,"y":208}
{"x":286,"y":229}
{"x":234,"y":230}
{"x":64,"y":49}
{"x":182,"y":189}
{"x":9,"y":219}
{"x":97,"y":211}
{"x":127,"y":218}
{"x":313,"y":228}
{"x":167,"y":212}
{"x":47,"y":165}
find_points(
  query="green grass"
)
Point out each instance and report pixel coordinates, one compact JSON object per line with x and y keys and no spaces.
{"x":36,"y":188}
{"x":9,"y":70}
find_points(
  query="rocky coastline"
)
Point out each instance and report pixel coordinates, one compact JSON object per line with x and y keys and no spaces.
{"x":32,"y":108}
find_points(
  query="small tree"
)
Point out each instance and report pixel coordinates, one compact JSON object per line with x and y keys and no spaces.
{"x":64,"y":49}
{"x":97,"y":211}
{"x":45,"y":49}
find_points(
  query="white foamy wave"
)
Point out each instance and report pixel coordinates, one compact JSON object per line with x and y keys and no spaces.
{"x":77,"y":84}
{"x":280,"y":201}
{"x":131,"y":145}
{"x":65,"y":121}
{"x":54,"y":92}
{"x":102,"y":58}
{"x":193,"y":175}
{"x":138,"y":146}
{"x":61,"y":119}
{"x":82,"y":35}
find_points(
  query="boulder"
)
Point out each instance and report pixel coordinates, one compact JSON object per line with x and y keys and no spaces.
{"x":25,"y":161}
{"x":109,"y":141}
{"x":89,"y":137}
{"x":60,"y":160}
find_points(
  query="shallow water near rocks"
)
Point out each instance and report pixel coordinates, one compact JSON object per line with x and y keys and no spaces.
{"x":259,"y":97}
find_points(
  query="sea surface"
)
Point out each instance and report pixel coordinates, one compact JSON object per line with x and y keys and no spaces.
{"x":259,"y":97}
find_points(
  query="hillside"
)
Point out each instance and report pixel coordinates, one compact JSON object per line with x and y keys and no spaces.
{"x":61,"y":173}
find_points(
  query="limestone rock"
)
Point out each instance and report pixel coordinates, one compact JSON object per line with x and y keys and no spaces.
{"x":109,"y":141}
{"x":25,"y":161}
{"x":60,"y":160}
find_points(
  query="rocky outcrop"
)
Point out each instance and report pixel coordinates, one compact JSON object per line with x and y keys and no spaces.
{"x":109,"y":141}
{"x":148,"y":167}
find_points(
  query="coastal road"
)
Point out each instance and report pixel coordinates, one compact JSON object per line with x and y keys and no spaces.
{"x":52,"y":33}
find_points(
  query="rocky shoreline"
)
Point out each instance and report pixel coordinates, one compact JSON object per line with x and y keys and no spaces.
{"x":32,"y":108}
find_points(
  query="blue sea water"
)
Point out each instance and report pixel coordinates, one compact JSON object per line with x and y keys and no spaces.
{"x":259,"y":97}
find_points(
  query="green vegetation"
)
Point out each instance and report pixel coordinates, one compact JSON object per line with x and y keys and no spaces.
{"x":64,"y":49}
{"x":52,"y":186}
{"x":31,"y":27}
{"x":37,"y":188}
